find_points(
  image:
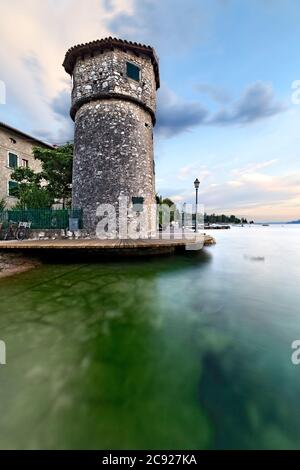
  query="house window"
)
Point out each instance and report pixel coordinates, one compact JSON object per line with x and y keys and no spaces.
{"x":12,"y":160}
{"x":24,"y":163}
{"x":133,"y":71}
{"x":12,"y":186}
{"x":137,"y":203}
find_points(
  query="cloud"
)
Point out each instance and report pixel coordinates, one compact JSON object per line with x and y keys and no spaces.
{"x":190,"y":172}
{"x":166,"y":24}
{"x":175,"y":116}
{"x":250,"y":193}
{"x":257,"y":102}
{"x":31,"y":57}
{"x":218,"y":94}
{"x":61,"y":103}
{"x":253,"y":167}
{"x":60,"y":106}
{"x":256,"y":195}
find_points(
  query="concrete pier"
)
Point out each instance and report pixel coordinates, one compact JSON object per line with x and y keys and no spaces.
{"x":140,"y":247}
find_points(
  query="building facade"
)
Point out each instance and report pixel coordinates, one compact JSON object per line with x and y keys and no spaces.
{"x":113,"y":106}
{"x":15,"y":151}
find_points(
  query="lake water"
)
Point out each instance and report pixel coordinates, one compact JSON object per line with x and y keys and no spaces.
{"x":183,"y":352}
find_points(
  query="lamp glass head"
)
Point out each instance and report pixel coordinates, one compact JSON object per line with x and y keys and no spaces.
{"x":196,"y":183}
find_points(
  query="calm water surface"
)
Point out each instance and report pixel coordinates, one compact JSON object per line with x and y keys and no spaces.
{"x":182,"y":352}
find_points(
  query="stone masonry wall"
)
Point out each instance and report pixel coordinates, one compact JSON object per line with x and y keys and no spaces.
{"x":106,"y":73}
{"x":114,"y":117}
{"x":113,"y":156}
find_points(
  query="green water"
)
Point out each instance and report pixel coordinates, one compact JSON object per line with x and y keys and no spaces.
{"x":185,"y":352}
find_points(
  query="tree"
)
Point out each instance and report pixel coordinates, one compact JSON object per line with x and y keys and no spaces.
{"x":158,"y":199}
{"x":2,"y":205}
{"x":31,"y":192}
{"x":168,"y":201}
{"x":174,"y":214}
{"x":40,"y":190}
{"x":232,"y":219}
{"x":57,"y":170}
{"x":33,"y":197}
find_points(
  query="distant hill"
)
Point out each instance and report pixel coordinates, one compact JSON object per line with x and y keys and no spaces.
{"x":294,"y":222}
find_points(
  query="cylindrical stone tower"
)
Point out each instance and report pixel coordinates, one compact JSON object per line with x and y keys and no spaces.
{"x":113,"y":106}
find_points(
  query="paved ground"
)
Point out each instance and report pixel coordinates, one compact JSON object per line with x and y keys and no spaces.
{"x":135,"y":246}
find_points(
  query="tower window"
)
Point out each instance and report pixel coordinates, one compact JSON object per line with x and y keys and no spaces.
{"x":12,"y":160}
{"x":137,"y":203}
{"x":133,"y":71}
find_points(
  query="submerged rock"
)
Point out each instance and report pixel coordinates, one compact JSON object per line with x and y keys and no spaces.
{"x":14,"y":263}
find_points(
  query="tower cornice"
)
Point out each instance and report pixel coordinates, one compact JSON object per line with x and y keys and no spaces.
{"x":102,"y":96}
{"x":102,"y":45}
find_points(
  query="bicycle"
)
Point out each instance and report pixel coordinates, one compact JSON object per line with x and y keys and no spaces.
{"x":16,"y":231}
{"x":23,"y":230}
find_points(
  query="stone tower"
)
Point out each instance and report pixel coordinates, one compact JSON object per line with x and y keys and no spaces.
{"x":113,"y":106}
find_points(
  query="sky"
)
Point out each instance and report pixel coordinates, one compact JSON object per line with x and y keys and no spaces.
{"x":229,"y":102}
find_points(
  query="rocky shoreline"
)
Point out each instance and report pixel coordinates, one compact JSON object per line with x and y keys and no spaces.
{"x":15,"y":263}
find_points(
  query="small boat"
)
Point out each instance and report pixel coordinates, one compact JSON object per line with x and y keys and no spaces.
{"x":265,"y":225}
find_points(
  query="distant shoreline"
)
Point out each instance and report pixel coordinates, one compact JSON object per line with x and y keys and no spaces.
{"x":297,"y":222}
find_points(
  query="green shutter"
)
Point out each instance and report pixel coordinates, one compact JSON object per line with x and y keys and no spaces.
{"x":12,"y":186}
{"x":12,"y":160}
{"x":133,"y":71}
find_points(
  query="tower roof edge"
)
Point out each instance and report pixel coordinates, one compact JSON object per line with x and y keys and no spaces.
{"x":109,"y":43}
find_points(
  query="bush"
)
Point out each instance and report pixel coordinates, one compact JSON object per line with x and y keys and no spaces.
{"x":2,"y":205}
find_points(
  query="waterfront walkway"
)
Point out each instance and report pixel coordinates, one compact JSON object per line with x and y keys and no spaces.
{"x":109,"y":246}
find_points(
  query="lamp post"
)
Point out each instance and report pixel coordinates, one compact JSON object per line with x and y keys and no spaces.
{"x":196,"y":184}
{"x":183,"y":215}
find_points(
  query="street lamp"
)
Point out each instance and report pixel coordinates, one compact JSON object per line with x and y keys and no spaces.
{"x":196,"y":184}
{"x":183,"y":216}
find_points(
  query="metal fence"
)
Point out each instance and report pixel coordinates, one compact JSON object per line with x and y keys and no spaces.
{"x":43,"y":218}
